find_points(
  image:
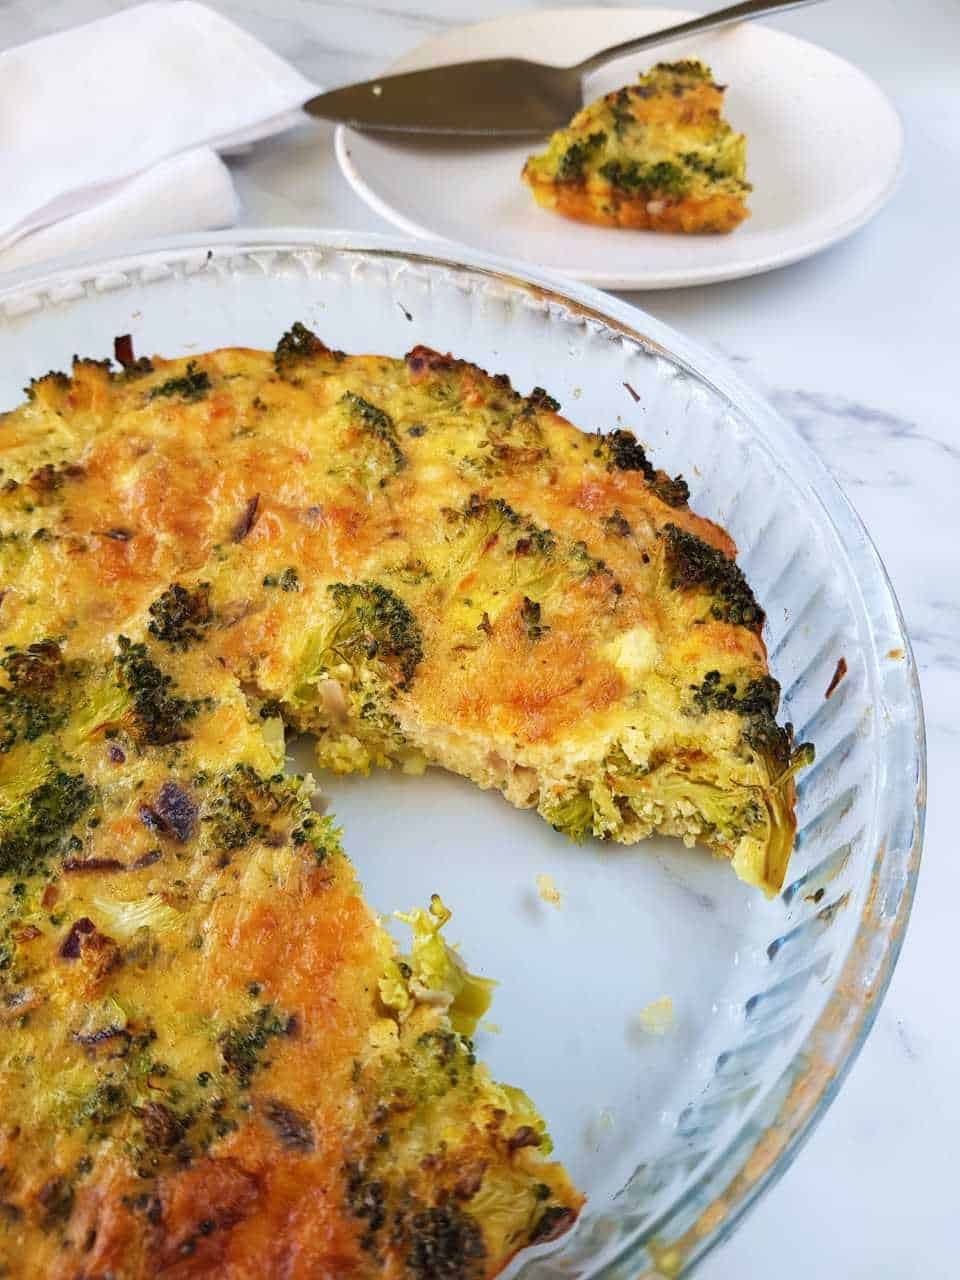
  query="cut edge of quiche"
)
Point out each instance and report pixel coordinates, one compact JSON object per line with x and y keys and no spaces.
{"x":655,"y":155}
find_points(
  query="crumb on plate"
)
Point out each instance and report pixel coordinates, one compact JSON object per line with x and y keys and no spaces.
{"x":656,"y":1019}
{"x":547,"y":890}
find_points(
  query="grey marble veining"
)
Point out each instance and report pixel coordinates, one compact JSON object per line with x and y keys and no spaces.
{"x":858,"y":348}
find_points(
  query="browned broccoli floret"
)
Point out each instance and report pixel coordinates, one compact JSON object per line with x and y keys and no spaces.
{"x":378,"y":423}
{"x":242,"y":1045}
{"x":55,"y":376}
{"x":576,"y":156}
{"x":541,"y":400}
{"x":624,"y":452}
{"x":36,"y":698}
{"x":757,"y":702}
{"x":180,"y":615}
{"x":36,"y":829}
{"x":161,"y":716}
{"x":445,"y":1244}
{"x":192,"y":385}
{"x":298,"y":343}
{"x":530,"y":616}
{"x":664,"y":177}
{"x":691,"y":563}
{"x":375,"y":623}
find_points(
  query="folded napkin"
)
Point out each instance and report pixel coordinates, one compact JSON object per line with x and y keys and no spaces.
{"x":109,"y":131}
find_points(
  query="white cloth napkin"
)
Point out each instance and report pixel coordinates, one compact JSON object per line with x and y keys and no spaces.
{"x":109,"y":131}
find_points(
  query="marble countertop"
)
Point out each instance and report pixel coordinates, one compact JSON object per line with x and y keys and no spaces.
{"x":858,"y":347}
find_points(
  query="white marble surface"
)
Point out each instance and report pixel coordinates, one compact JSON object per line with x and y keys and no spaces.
{"x":859,"y":348}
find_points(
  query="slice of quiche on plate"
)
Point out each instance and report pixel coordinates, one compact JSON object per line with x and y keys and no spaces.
{"x":655,"y":155}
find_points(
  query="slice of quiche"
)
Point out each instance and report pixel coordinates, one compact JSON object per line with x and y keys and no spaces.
{"x":213,"y":1063}
{"x":656,"y":155}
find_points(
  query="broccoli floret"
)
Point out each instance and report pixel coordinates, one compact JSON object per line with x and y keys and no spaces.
{"x":689,"y":67}
{"x":319,"y":834}
{"x":378,"y":423}
{"x":616,"y":524}
{"x":698,"y":164}
{"x":288,"y":580}
{"x":440,"y":1242}
{"x":530,"y":617}
{"x":663,"y":177}
{"x":445,"y":1244}
{"x":35,"y":830}
{"x":192,"y":385}
{"x":759,"y":697}
{"x":366,"y":1199}
{"x":500,"y":511}
{"x":242,"y":1045}
{"x":161,"y":716}
{"x":553,"y":1222}
{"x":492,"y":518}
{"x":581,"y":560}
{"x":433,"y":966}
{"x":376,"y":624}
{"x":539,"y":561}
{"x":727,"y":812}
{"x":570,"y":168}
{"x":572,"y":816}
{"x":245,"y":805}
{"x":37,"y":698}
{"x":757,"y":702}
{"x":623,"y":117}
{"x":674,"y":492}
{"x":624,"y":452}
{"x":541,"y":400}
{"x":55,"y":376}
{"x":102,"y":1104}
{"x":297,"y":344}
{"x":691,"y":562}
{"x":179,"y":616}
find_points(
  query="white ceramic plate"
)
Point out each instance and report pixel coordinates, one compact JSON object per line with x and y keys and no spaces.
{"x":824,"y":150}
{"x":671,"y":1136}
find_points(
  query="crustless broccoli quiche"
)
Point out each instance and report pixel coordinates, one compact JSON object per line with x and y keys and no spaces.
{"x":655,"y":155}
{"x":214,"y":1062}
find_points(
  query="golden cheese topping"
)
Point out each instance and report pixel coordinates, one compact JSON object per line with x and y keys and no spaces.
{"x":654,"y":155}
{"x":213,"y":1061}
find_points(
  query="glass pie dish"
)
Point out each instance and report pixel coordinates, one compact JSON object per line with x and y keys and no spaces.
{"x":672,"y":1130}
